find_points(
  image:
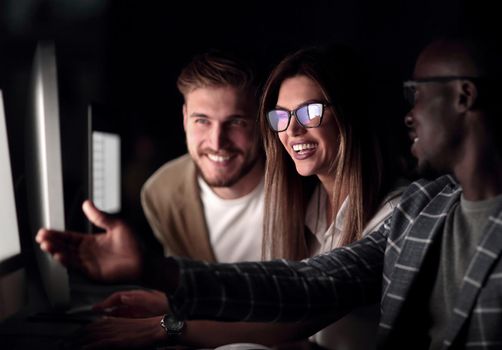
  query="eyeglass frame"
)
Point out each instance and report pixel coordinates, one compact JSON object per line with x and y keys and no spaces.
{"x":412,"y":84}
{"x":293,"y":112}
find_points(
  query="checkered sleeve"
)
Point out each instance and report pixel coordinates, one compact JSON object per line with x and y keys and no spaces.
{"x":327,"y":285}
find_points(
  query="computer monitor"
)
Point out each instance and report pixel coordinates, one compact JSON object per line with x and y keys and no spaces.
{"x":12,"y":273}
{"x":104,"y":165}
{"x":44,"y":169}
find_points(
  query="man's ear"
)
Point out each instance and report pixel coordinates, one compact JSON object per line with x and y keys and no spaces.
{"x":185,"y":116}
{"x":468,"y":95}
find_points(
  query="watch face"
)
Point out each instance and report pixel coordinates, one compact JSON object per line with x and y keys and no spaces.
{"x":172,"y":325}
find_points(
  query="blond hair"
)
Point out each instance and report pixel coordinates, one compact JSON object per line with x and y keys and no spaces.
{"x":215,"y":69}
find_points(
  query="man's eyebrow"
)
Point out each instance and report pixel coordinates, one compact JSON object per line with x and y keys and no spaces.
{"x":199,"y":115}
{"x":230,"y":117}
{"x":239,"y":116}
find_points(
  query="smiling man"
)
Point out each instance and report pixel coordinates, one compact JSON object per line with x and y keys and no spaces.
{"x":208,"y":204}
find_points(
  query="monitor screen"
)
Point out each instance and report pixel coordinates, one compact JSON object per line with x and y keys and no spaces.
{"x":44,"y":169}
{"x":104,"y":164}
{"x":106,"y":171}
{"x":12,"y":275}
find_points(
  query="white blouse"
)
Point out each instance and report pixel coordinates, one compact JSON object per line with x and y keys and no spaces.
{"x":357,"y":330}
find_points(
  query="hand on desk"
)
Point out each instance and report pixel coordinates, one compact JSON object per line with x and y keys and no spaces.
{"x":121,"y":333}
{"x":113,"y":255}
{"x":134,"y":304}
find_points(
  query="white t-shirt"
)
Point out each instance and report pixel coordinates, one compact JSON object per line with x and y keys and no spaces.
{"x":357,"y":330}
{"x":235,"y":225}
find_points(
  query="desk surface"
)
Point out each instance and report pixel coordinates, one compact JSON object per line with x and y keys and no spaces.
{"x":46,"y":329}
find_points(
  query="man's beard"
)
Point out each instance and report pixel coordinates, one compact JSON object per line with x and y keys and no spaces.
{"x":229,"y":182}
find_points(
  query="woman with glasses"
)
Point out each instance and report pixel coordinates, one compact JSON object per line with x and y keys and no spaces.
{"x":326,"y":184}
{"x":315,"y":121}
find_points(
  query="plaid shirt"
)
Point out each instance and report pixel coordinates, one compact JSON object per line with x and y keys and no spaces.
{"x":392,"y":264}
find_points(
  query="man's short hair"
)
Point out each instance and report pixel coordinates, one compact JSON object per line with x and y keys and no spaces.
{"x":216,"y":69}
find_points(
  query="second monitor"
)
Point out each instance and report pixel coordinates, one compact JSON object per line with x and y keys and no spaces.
{"x":104,"y":163}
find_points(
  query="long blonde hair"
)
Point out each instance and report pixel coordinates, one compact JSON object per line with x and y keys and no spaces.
{"x":358,"y":165}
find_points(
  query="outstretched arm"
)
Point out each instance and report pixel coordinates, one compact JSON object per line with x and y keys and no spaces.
{"x":325,"y":286}
{"x":113,"y":255}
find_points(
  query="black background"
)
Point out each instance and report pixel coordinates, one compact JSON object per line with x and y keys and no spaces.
{"x":126,"y":55}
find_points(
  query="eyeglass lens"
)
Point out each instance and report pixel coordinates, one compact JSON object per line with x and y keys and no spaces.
{"x":309,"y":116}
{"x":409,"y":94}
{"x":409,"y":90}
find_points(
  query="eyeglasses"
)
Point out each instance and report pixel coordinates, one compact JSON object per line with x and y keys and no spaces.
{"x":308,"y":115}
{"x":410,"y":86}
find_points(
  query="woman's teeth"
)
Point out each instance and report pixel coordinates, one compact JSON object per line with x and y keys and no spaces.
{"x":303,"y":146}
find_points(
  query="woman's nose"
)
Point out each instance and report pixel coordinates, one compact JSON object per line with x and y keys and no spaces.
{"x":294,"y":127}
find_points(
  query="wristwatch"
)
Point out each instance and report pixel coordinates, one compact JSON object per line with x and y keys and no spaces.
{"x":172,"y":326}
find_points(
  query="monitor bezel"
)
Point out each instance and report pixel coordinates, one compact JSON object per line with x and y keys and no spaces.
{"x":45,"y":171}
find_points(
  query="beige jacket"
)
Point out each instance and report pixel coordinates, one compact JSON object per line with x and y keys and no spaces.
{"x":172,"y":205}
